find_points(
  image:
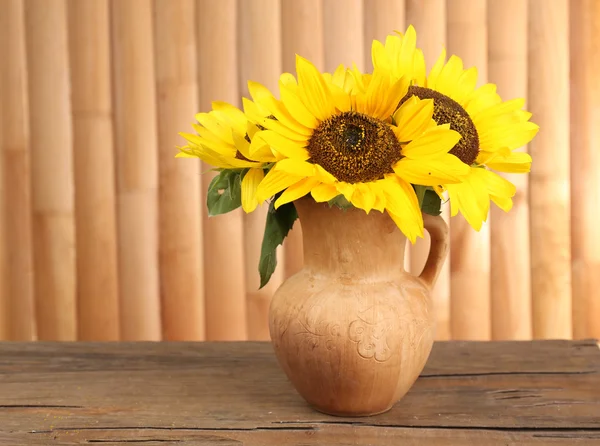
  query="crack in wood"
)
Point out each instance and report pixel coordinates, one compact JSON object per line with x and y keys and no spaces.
{"x":469,"y":375}
{"x":172,"y":428}
{"x":593,"y":429}
{"x":148,"y":440}
{"x":38,"y":406}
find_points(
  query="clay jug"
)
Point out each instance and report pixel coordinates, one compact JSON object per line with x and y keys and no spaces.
{"x":352,"y":330}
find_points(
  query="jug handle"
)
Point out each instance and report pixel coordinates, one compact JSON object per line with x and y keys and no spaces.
{"x":438,"y":230}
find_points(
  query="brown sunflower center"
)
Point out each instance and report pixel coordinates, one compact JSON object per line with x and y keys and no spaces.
{"x":354,"y":147}
{"x":448,"y":111}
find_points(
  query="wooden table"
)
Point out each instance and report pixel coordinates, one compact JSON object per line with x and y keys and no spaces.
{"x":499,"y":393}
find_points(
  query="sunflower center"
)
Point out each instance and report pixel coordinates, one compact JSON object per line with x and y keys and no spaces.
{"x":354,"y":147}
{"x":448,"y":111}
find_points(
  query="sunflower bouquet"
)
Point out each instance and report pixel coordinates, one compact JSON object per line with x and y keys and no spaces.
{"x":396,"y":140}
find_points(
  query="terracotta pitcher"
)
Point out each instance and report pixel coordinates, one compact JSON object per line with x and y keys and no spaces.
{"x":352,"y":330}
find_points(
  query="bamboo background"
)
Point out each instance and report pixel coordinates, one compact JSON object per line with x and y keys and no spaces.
{"x":104,"y":234}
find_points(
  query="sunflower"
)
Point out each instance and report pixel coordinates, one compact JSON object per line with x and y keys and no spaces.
{"x":345,"y":134}
{"x":491,"y":129}
{"x":225,"y":140}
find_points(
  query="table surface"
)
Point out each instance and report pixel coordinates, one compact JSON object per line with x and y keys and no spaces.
{"x":233,"y":393}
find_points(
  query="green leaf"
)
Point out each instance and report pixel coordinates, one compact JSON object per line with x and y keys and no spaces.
{"x":420,"y":191}
{"x":224,"y":192}
{"x":432,"y":204}
{"x":340,"y":201}
{"x":279,"y":222}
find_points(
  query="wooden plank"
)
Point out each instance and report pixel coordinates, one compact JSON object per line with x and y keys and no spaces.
{"x":429,"y":19}
{"x":470,"y":251}
{"x":137,"y":169}
{"x":260,"y":28}
{"x":225,"y":299}
{"x":302,"y":33}
{"x":320,"y":433}
{"x":108,"y":391}
{"x":548,"y":90}
{"x":180,"y":218}
{"x":585,"y":166}
{"x":15,"y":153}
{"x":95,"y":207}
{"x":510,"y":260}
{"x":344,"y":34}
{"x":52,"y":168}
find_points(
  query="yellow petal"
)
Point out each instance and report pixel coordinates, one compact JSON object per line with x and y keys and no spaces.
{"x":324,"y":192}
{"x":465,"y":85}
{"x":495,"y":184}
{"x":298,"y":190}
{"x":263,"y":96}
{"x":450,"y":75}
{"x":323,"y":175}
{"x":431,"y":172}
{"x":250,"y":184}
{"x":346,"y":189}
{"x":517,"y":162}
{"x":363,"y":197}
{"x":287,"y":147}
{"x":434,"y":74}
{"x":512,"y":137}
{"x":212,"y":124}
{"x":275,"y":181}
{"x":471,"y":198}
{"x":504,"y":203}
{"x":230,"y":116}
{"x":434,"y":142}
{"x":296,"y":108}
{"x":403,"y":206}
{"x":420,"y":71}
{"x":313,"y":90}
{"x":413,"y":118}
{"x":295,"y":167}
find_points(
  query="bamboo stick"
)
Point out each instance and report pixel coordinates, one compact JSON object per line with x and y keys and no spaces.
{"x":510,"y":260}
{"x":548,"y":90}
{"x":260,"y":60}
{"x":344,"y":33}
{"x":137,"y":169}
{"x":52,"y":169}
{"x":224,"y":275}
{"x":302,"y":34}
{"x":381,"y":17}
{"x":470,"y":316}
{"x":3,"y":217}
{"x":181,"y":269}
{"x":429,"y":19}
{"x":15,"y":154}
{"x":585,"y":166}
{"x":97,"y":285}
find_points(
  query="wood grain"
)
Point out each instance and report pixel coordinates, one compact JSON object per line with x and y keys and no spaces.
{"x":180,"y":222}
{"x":51,"y":169}
{"x":302,"y":34}
{"x":260,"y":28}
{"x":510,"y":259}
{"x":17,"y":249}
{"x":93,"y":154}
{"x":429,"y":19}
{"x":470,"y":251}
{"x":225,"y":299}
{"x":235,"y":393}
{"x":585,"y":166}
{"x":137,"y":168}
{"x":344,"y":28}
{"x":549,"y":189}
